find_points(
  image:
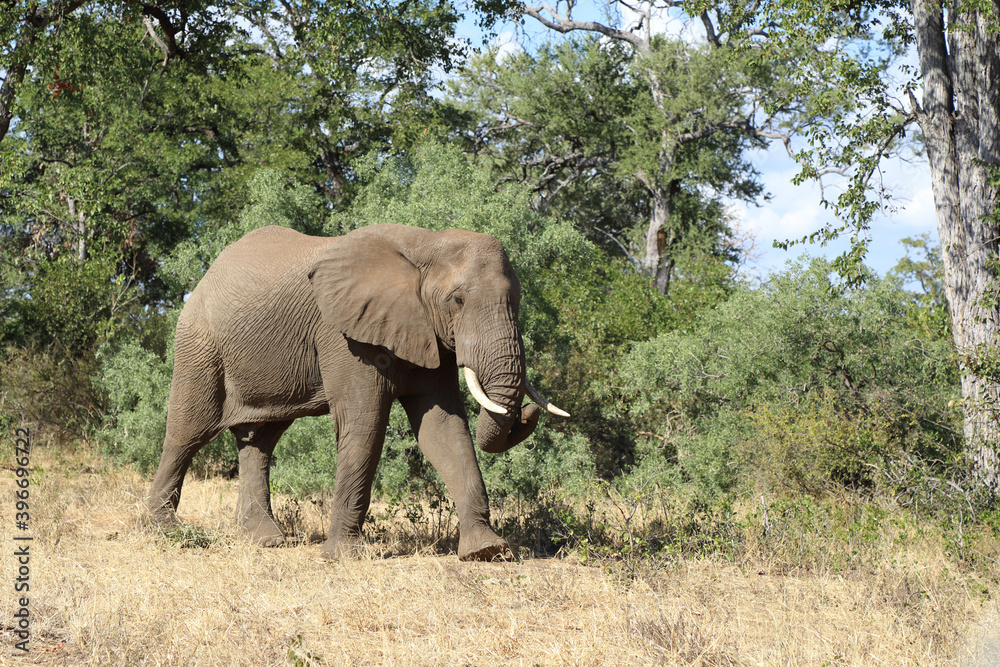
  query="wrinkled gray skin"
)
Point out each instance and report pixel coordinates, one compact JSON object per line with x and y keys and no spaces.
{"x":285,"y":325}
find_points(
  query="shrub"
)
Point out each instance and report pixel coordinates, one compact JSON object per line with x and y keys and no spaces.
{"x":811,"y":381}
{"x":54,"y":313}
{"x":137,"y":385}
{"x":49,"y":389}
{"x":306,"y":458}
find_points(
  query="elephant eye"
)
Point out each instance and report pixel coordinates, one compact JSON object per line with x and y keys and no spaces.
{"x":458,"y":299}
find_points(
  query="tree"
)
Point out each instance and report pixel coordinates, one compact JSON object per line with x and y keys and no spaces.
{"x":958,"y":53}
{"x":837,"y":79}
{"x":30,"y":30}
{"x":704,"y":102}
{"x":960,"y":122}
{"x":186,"y":29}
{"x":153,"y":141}
{"x":577,"y":121}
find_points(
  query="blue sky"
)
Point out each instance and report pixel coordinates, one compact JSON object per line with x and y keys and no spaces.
{"x":794,"y":210}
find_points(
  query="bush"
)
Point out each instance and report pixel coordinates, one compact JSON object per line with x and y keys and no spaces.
{"x":49,"y":389}
{"x":550,"y":461}
{"x":811,"y":382}
{"x":54,"y":313}
{"x":822,"y":443}
{"x":137,"y":385}
{"x":306,"y":458}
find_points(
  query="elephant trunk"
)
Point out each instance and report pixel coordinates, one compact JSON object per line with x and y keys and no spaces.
{"x":503,"y":385}
{"x":496,"y":434}
{"x":498,"y":364}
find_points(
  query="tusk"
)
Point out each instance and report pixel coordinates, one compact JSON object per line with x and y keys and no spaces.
{"x":477,"y":392}
{"x":542,"y":401}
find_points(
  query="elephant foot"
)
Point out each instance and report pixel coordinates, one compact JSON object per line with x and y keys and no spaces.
{"x":483,"y":545}
{"x":267,"y":538}
{"x":343,"y":548}
{"x":163,"y":520}
{"x":264,"y":531}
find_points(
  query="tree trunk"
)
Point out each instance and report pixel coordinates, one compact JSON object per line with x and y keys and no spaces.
{"x":661,"y":237}
{"x":960,"y":120}
{"x":13,"y":78}
{"x":655,"y":262}
{"x":78,"y":221}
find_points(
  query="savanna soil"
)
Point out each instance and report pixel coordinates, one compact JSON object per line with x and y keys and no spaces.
{"x":105,"y":591}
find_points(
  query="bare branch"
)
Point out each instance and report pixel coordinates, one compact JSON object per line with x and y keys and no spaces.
{"x":261,"y":24}
{"x":631,"y":257}
{"x":710,"y":34}
{"x":169,"y":43}
{"x":565,"y":24}
{"x":156,"y":39}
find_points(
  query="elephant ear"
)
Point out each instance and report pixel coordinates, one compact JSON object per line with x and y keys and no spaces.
{"x":369,"y":291}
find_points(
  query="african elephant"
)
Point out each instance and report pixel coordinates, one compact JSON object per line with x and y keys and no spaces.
{"x":285,"y":325}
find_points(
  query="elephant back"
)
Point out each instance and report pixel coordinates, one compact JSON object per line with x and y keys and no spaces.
{"x":262,"y":276}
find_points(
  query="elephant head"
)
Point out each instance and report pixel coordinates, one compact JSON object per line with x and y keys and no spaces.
{"x":409,"y":289}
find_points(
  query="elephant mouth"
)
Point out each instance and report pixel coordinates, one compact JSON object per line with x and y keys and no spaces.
{"x":477,"y":391}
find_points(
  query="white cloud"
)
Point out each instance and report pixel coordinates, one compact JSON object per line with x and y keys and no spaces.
{"x":795,"y":212}
{"x":507,"y":44}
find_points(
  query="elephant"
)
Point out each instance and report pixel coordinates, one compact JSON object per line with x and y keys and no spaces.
{"x":285,"y":325}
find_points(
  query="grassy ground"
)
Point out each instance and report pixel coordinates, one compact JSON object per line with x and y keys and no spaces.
{"x":105,"y":591}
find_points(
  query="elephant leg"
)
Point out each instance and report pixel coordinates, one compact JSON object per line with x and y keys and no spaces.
{"x":444,"y":438}
{"x":253,"y":507}
{"x":360,"y":435}
{"x":194,"y":417}
{"x":181,"y":444}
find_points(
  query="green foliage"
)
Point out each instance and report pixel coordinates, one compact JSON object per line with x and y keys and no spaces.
{"x":137,"y":385}
{"x":822,"y":444}
{"x":837,"y":388}
{"x":824,"y":535}
{"x":436,"y":187}
{"x":600,"y":311}
{"x":306,"y":460}
{"x":70,"y":304}
{"x":799,"y":331}
{"x":578,"y":122}
{"x":273,"y":198}
{"x":298,"y":656}
{"x":834,"y":72}
{"x":929,"y":310}
{"x":552,"y":460}
{"x":52,"y":319}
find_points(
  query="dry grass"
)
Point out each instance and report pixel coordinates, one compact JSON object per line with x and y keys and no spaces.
{"x":107,"y":592}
